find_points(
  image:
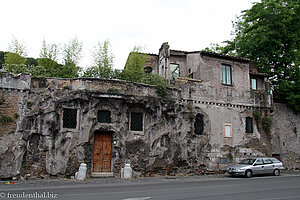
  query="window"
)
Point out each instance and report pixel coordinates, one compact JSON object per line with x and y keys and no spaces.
{"x":199,"y":124}
{"x":259,"y":161}
{"x":104,"y":116}
{"x":136,"y":121}
{"x":174,"y":71}
{"x":249,"y":125}
{"x":226,"y":75}
{"x":224,"y":160}
{"x":69,"y":118}
{"x":253,"y":84}
{"x":267,"y":161}
{"x":227,"y":130}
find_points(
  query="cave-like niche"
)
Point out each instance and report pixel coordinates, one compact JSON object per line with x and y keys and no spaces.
{"x":199,"y":124}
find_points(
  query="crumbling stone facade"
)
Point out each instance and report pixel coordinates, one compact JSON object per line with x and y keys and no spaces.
{"x":200,"y":126}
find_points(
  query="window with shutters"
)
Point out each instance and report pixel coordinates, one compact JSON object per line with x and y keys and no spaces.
{"x":104,"y":116}
{"x":70,"y":118}
{"x":249,"y":125}
{"x":199,"y":124}
{"x":227,"y":130}
{"x":136,"y":121}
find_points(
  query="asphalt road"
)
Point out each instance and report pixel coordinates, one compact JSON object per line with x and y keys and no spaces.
{"x":256,"y":188}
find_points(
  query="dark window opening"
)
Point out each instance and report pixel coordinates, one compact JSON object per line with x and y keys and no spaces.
{"x":136,"y":121}
{"x":249,"y":125}
{"x":199,"y":124}
{"x":70,"y":118}
{"x":148,"y":70}
{"x":104,"y":116}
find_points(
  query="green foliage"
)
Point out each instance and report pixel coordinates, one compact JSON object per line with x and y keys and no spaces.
{"x":29,"y":104}
{"x":17,"y":47}
{"x":14,"y":59}
{"x":2,"y":58}
{"x":266,"y":124}
{"x":136,"y":60}
{"x":5,"y":119}
{"x":112,"y":90}
{"x":257,"y":116}
{"x":72,"y":52}
{"x":269,"y":34}
{"x":216,"y":48}
{"x":31,"y":61}
{"x":49,"y":51}
{"x":103,"y":62}
{"x":142,"y":77}
{"x":66,"y":87}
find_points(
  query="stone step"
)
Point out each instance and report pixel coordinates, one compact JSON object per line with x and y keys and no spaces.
{"x":102,"y":174}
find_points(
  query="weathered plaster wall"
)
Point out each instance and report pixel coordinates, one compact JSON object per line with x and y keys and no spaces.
{"x":285,"y":136}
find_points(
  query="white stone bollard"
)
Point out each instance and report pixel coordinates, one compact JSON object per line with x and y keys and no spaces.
{"x":81,"y":174}
{"x":127,"y":171}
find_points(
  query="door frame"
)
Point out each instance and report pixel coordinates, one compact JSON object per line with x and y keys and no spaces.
{"x":98,"y":132}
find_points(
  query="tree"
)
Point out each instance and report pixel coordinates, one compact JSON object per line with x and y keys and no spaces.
{"x":2,"y":58}
{"x":269,"y":34}
{"x":16,"y":47}
{"x":50,"y":51}
{"x":17,"y":53}
{"x":102,"y":60}
{"x":31,"y":62}
{"x":72,"y":52}
{"x":14,"y":59}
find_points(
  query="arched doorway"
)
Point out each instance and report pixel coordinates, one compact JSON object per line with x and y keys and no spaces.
{"x":102,"y":152}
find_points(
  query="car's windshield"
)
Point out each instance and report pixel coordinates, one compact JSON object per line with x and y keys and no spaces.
{"x":247,"y":161}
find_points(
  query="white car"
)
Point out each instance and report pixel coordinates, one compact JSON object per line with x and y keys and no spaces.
{"x":255,"y":166}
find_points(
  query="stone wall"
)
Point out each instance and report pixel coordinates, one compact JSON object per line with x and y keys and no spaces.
{"x":285,"y":136}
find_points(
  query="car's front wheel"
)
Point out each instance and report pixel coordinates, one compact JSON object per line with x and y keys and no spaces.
{"x":276,"y":172}
{"x":248,"y":173}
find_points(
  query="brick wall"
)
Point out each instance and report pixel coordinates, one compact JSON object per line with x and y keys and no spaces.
{"x":8,"y":109}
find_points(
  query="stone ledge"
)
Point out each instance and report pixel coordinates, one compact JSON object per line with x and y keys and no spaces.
{"x":102,"y":174}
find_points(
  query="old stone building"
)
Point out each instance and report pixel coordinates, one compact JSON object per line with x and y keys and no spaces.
{"x":217,"y":111}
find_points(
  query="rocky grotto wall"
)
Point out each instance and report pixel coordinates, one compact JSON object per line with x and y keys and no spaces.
{"x":37,"y":144}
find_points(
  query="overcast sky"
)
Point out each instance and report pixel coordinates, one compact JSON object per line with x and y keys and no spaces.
{"x":187,"y":25}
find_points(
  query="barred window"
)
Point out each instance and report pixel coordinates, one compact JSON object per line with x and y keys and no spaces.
{"x":104,"y":116}
{"x":199,"y":124}
{"x":249,"y":125}
{"x":136,"y":121}
{"x":69,"y":118}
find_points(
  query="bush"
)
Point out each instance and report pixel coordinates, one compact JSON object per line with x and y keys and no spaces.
{"x":5,"y":119}
{"x":266,"y":124}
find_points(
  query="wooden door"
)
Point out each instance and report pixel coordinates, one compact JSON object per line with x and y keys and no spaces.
{"x":102,"y":152}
